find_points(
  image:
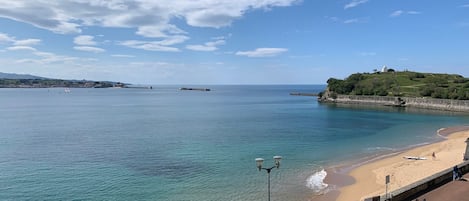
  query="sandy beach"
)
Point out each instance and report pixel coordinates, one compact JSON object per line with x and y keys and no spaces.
{"x":370,"y":177}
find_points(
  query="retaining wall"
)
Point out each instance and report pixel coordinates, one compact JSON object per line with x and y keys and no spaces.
{"x":424,"y":103}
{"x":440,"y":104}
{"x":423,"y":186}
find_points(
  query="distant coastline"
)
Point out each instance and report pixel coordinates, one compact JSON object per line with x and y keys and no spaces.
{"x":53,"y":83}
{"x":12,"y":80}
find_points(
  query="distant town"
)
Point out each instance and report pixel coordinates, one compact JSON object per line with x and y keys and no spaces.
{"x":8,"y":80}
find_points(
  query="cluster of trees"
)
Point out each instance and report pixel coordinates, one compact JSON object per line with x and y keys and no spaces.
{"x":355,"y":84}
{"x":439,"y":87}
{"x":412,"y":84}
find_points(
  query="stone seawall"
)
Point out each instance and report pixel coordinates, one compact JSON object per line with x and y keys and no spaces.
{"x":439,"y":104}
{"x":424,"y":103}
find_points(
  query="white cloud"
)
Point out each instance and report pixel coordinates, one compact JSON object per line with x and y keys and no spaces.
{"x":414,"y":12}
{"x":42,"y":14}
{"x":150,"y":18}
{"x":48,"y":58}
{"x":84,"y":40}
{"x":149,"y":45}
{"x":398,"y":13}
{"x":5,"y":38}
{"x":262,"y":52}
{"x":208,"y":46}
{"x":159,"y":31}
{"x":354,"y":3}
{"x":27,"y":42}
{"x":356,"y":20}
{"x":161,"y":45}
{"x":89,"y":49}
{"x":349,"y":21}
{"x":71,"y":16}
{"x":15,"y":48}
{"x":203,"y":48}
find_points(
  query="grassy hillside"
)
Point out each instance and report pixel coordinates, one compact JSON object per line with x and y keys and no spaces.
{"x":408,"y":84}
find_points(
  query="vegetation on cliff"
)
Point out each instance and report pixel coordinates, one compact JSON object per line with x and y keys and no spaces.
{"x":406,"y":84}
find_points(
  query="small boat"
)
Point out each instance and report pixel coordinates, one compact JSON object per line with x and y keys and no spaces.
{"x":415,"y":158}
{"x":196,"y":89}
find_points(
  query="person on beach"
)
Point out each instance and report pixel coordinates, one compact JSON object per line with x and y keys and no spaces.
{"x":433,"y":155}
{"x":455,"y":173}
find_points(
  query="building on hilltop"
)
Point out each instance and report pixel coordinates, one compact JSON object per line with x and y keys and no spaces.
{"x":384,"y":69}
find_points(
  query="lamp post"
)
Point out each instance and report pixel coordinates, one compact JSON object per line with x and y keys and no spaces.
{"x":259,"y":162}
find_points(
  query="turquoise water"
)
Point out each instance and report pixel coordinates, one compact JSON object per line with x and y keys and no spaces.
{"x":171,"y":145}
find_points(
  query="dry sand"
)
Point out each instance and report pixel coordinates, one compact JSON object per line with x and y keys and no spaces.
{"x":370,"y":177}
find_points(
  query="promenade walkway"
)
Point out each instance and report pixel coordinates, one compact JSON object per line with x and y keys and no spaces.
{"x":455,"y":190}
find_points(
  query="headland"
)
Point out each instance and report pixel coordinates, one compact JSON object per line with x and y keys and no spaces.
{"x":400,"y":89}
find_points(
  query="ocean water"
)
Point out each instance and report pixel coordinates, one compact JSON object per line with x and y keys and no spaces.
{"x":171,"y":145}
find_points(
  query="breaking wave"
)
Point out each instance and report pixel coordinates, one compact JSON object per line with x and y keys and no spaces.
{"x":316,"y":182}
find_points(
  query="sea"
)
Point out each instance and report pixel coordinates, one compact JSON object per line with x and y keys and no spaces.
{"x":181,"y":145}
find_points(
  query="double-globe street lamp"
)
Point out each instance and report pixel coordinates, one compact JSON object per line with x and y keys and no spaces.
{"x":259,"y":162}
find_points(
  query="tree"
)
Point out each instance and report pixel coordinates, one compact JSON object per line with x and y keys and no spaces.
{"x":427,"y":91}
{"x":440,"y":93}
{"x":335,"y":85}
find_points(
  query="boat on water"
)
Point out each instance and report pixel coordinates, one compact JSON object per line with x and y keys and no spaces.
{"x":195,"y":89}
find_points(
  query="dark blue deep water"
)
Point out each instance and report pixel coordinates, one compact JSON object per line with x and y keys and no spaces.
{"x":171,"y":145}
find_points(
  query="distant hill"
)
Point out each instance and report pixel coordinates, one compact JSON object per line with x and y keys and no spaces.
{"x":404,"y":84}
{"x":11,"y":80}
{"x":20,"y":76}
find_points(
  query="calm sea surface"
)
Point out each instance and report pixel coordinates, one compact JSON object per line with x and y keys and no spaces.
{"x":171,"y":145}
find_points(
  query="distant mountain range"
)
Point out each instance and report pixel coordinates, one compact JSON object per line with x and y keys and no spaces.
{"x":20,"y":76}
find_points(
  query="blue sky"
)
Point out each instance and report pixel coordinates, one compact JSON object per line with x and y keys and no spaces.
{"x":231,"y":42}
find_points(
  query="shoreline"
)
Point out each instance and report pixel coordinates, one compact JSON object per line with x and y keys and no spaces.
{"x":347,"y":181}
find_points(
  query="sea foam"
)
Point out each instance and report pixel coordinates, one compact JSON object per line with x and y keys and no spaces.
{"x":316,"y":182}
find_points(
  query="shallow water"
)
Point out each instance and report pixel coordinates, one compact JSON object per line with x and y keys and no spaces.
{"x":166,"y":144}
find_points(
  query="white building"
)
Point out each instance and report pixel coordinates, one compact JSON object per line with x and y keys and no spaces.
{"x":384,"y":69}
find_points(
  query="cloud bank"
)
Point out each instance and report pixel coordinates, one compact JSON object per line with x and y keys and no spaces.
{"x":152,"y":18}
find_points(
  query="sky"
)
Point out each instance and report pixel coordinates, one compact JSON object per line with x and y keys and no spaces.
{"x":231,"y":41}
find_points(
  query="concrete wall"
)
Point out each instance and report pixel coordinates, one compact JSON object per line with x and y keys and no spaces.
{"x":419,"y":188}
{"x":439,"y":104}
{"x":424,"y":103}
{"x":378,"y":100}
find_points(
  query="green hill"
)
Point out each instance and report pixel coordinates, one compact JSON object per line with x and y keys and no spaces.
{"x":406,"y":84}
